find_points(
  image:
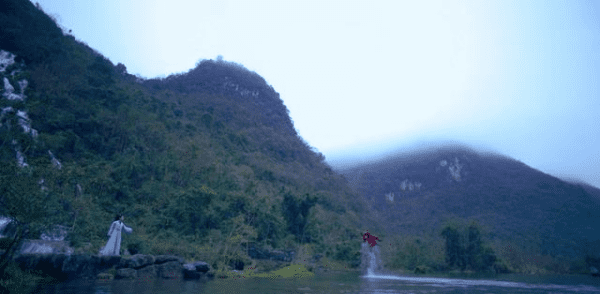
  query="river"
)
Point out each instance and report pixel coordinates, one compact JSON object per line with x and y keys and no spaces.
{"x":370,"y":279}
{"x":342,"y":282}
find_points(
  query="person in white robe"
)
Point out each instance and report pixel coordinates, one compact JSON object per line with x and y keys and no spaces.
{"x":113,"y":246}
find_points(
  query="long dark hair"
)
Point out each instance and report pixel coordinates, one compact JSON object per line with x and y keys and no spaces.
{"x":118,"y":217}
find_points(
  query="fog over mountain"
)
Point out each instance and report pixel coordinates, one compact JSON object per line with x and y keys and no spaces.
{"x":417,"y":190}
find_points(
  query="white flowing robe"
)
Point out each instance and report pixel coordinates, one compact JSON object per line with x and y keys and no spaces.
{"x":113,"y":246}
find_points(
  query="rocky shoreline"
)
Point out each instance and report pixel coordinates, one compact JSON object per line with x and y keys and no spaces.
{"x":140,"y":266}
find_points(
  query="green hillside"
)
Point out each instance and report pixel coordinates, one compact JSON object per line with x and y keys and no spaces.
{"x":204,"y":164}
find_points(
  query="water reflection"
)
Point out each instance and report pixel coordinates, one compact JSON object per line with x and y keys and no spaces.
{"x":346,"y":282}
{"x":472,"y":284}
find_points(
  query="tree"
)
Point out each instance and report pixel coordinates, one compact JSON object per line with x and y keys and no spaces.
{"x":479,"y":257}
{"x":474,"y":248}
{"x":463,"y":251}
{"x":22,"y":200}
{"x":454,"y":249}
{"x":296,"y":213}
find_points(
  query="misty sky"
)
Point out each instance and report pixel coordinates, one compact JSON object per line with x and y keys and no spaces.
{"x":362,"y":78}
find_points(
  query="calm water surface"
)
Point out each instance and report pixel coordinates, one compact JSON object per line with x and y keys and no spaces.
{"x":351,"y":282}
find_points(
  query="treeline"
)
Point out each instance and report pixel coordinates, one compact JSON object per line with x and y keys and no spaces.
{"x":465,"y":249}
{"x":463,"y":246}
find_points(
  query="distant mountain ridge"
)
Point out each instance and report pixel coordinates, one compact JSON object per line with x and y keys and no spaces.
{"x":417,"y":192}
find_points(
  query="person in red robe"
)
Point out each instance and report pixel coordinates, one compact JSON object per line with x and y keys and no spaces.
{"x":367,"y":237}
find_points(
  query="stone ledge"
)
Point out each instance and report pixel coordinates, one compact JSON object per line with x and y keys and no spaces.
{"x":68,"y":267}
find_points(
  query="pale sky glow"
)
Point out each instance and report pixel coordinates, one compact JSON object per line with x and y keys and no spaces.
{"x":362,"y":78}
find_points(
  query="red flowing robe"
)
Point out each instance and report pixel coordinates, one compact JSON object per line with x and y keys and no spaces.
{"x":370,"y":238}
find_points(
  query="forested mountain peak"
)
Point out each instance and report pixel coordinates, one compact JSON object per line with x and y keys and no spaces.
{"x":232,"y":80}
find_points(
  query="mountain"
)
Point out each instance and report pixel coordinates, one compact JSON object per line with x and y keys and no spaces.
{"x":418,"y":191}
{"x":205,"y":163}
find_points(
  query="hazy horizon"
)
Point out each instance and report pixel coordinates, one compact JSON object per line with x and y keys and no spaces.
{"x":362,"y":80}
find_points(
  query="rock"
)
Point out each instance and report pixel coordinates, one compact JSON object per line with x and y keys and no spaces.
{"x":126,"y":273}
{"x":195,"y":270}
{"x":51,"y":264}
{"x":104,"y":276}
{"x":56,"y":233}
{"x":201,"y":266}
{"x":237,"y":264}
{"x":189,"y":272}
{"x":68,"y":267}
{"x":81,"y":266}
{"x":7,"y":226}
{"x":159,"y":259}
{"x":107,"y":261}
{"x":170,"y":270}
{"x":148,"y":272}
{"x":45,"y":247}
{"x":137,"y":261}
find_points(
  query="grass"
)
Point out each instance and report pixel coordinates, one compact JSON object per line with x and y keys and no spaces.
{"x":290,"y":271}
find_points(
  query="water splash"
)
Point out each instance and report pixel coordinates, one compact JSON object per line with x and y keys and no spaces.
{"x":370,"y":260}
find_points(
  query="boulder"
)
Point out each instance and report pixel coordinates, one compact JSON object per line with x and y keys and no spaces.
{"x":159,"y":259}
{"x":189,"y":272}
{"x":7,"y":227}
{"x":68,"y":267}
{"x":126,"y":273}
{"x":45,"y":247}
{"x":195,"y":270}
{"x":105,"y":276}
{"x":81,"y":266}
{"x":48,"y":263}
{"x":201,"y":266}
{"x":137,"y":261}
{"x":147,"y":272}
{"x":107,"y":261}
{"x":170,"y":270}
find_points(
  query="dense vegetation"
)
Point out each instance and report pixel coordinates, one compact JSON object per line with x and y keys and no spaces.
{"x":203,"y":164}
